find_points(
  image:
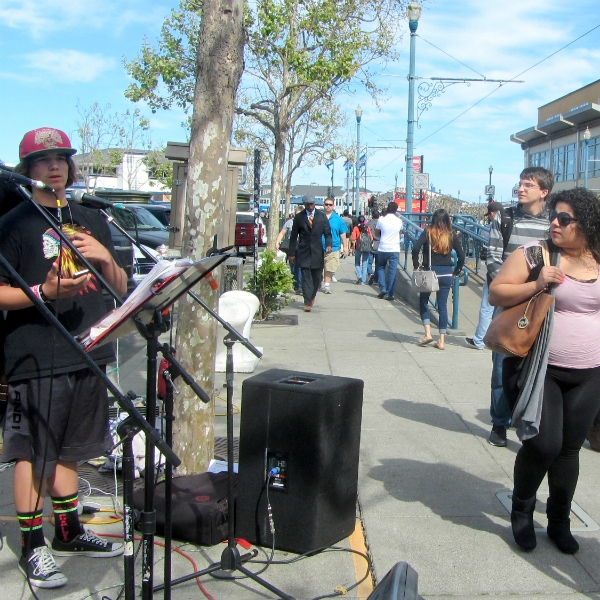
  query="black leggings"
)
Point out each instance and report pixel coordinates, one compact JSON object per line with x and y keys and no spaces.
{"x":571,"y":401}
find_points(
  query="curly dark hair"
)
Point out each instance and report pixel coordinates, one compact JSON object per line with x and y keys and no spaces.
{"x":586,"y":209}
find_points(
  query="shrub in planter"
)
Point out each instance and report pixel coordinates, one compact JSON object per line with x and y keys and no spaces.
{"x":270,"y":284}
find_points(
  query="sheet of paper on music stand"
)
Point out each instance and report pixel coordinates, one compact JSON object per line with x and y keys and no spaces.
{"x":166,"y":282}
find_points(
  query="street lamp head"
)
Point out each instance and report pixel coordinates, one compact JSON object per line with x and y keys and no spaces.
{"x":586,"y":134}
{"x":413,"y":12}
{"x":358,"y":113}
{"x":491,"y":169}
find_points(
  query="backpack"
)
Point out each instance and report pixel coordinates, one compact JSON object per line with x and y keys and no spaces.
{"x":506,"y":226}
{"x":364,"y":243}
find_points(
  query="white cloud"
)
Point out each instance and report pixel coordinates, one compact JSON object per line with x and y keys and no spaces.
{"x":44,"y":18}
{"x":70,"y":66}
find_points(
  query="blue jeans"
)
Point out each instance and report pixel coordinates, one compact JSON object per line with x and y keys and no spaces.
{"x":361,"y":264}
{"x":486,"y":312}
{"x":390,"y":259}
{"x":372,"y":257}
{"x":499,"y":409}
{"x":445,"y":280}
{"x":297,"y":275}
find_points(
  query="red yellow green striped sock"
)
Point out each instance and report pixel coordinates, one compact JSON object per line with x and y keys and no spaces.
{"x":32,"y":532}
{"x":66,"y":518}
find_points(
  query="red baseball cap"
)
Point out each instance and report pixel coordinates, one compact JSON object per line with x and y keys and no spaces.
{"x":44,"y":139}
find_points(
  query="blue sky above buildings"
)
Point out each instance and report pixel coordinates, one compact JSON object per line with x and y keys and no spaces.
{"x":55,"y":54}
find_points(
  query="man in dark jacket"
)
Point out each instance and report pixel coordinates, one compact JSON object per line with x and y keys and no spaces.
{"x":307,"y":230}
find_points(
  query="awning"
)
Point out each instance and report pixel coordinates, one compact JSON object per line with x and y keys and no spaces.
{"x":554,"y":124}
{"x":586,"y":112}
{"x":527,"y":135}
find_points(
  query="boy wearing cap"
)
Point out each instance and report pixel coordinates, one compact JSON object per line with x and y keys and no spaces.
{"x":57,"y":409}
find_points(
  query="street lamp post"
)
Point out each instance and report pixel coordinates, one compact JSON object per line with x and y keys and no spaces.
{"x":586,"y":140}
{"x":491,"y":196}
{"x":358,"y":113}
{"x":413,"y":12}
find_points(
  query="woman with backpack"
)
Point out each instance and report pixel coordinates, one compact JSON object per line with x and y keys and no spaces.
{"x":441,"y":240}
{"x":362,"y":236}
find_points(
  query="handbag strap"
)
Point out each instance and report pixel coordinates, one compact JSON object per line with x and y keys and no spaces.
{"x":429,"y":246}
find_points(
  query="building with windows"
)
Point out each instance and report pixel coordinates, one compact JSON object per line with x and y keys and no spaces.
{"x":566,"y":139}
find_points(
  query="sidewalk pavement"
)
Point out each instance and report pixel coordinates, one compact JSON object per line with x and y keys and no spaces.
{"x":430,"y":486}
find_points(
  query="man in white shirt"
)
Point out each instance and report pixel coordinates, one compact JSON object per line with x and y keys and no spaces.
{"x":388,"y":252}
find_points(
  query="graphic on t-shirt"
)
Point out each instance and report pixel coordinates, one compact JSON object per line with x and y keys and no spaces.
{"x":69,"y":263}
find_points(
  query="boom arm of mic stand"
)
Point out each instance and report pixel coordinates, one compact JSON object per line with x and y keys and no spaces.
{"x":238,"y":337}
{"x":125,"y":401}
{"x":68,"y":242}
{"x":178,"y":369}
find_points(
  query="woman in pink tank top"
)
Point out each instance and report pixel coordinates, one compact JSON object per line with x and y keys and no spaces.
{"x":572,"y":379}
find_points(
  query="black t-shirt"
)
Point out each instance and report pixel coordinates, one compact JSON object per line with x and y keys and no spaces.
{"x":31,"y":246}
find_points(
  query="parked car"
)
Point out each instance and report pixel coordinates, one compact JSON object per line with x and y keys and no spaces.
{"x":140,"y":224}
{"x":244,"y":233}
{"x":161,"y":211}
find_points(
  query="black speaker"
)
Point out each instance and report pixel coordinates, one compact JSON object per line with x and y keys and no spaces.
{"x":304,"y":428}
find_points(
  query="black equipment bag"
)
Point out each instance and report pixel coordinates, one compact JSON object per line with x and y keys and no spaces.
{"x":199,"y":507}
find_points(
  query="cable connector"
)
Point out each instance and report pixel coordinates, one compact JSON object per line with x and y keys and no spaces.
{"x":274,"y":471}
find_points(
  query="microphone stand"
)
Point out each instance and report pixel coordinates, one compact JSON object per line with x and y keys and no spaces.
{"x":124,"y":401}
{"x":231,"y":560}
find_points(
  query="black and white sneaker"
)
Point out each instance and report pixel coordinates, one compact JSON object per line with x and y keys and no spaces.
{"x":87,"y":544}
{"x":41,"y":570}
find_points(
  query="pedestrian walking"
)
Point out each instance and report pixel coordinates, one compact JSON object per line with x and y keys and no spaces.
{"x":372,"y":260}
{"x":306,"y":248}
{"x":363,"y":242}
{"x":441,"y":239}
{"x":389,"y":227}
{"x":569,"y":366}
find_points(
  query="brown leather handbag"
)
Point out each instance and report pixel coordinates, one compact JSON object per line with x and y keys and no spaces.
{"x":514,"y":329}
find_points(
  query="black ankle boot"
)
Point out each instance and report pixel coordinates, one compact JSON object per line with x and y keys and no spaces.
{"x":559,"y":527}
{"x":521,"y":518}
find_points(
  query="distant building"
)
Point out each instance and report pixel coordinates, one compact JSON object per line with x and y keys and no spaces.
{"x":558,"y":143}
{"x":115,"y":168}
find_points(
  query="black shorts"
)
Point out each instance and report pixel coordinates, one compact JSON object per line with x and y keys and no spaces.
{"x":69,"y":425}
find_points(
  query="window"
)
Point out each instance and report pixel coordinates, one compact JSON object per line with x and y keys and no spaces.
{"x":563,"y":163}
{"x":593,"y":154}
{"x":540,"y":159}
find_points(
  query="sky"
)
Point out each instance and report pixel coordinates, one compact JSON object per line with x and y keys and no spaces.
{"x":56,"y":55}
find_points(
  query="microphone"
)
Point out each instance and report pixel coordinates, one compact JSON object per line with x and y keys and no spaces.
{"x":89,"y":201}
{"x":22,"y":180}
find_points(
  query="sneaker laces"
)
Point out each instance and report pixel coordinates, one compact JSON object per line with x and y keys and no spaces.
{"x":88,"y":536}
{"x":43,"y":562}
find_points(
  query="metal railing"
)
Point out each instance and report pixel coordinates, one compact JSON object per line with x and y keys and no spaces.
{"x":474,"y":237}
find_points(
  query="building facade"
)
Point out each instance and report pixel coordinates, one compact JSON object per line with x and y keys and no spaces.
{"x":566,"y":139}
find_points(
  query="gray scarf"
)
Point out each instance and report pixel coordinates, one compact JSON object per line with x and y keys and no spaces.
{"x":528,"y":409}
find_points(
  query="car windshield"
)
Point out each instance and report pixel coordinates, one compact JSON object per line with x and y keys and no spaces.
{"x":244,"y":218}
{"x":127,"y":217}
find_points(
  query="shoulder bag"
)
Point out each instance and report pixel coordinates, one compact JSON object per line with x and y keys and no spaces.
{"x":514,"y":329}
{"x":425,"y":281}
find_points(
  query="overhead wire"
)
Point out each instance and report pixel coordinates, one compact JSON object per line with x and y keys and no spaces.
{"x":509,"y":80}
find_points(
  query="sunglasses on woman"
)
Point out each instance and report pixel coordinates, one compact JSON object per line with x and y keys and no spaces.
{"x":563,"y":218}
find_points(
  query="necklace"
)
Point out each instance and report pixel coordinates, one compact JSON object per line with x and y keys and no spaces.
{"x":58,"y":217}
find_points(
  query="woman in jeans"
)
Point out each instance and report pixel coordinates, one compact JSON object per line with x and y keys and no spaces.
{"x":442,"y":240}
{"x":570,"y":398}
